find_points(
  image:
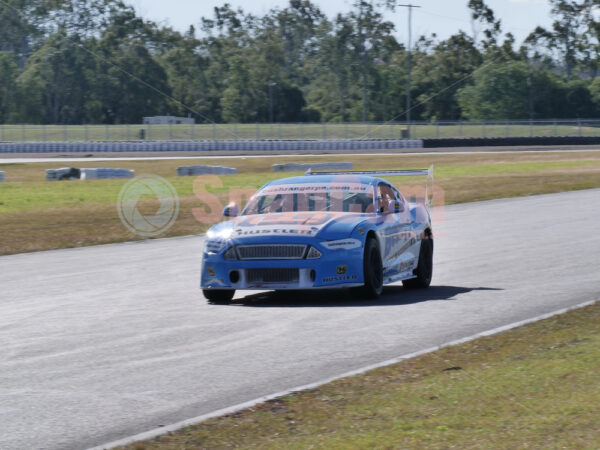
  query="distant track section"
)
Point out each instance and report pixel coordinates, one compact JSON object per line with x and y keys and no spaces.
{"x":207,"y":146}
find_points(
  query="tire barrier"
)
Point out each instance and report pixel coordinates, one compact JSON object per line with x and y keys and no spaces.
{"x":1,"y":176}
{"x":64,"y":173}
{"x":71,"y":173}
{"x":206,"y":146}
{"x":295,"y":167}
{"x":511,"y":142}
{"x":106,"y":173}
{"x":183,"y":171}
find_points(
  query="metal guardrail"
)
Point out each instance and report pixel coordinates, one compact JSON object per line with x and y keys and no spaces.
{"x":298,"y":131}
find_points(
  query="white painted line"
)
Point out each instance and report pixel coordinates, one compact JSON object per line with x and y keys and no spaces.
{"x":236,"y":408}
{"x":282,"y":155}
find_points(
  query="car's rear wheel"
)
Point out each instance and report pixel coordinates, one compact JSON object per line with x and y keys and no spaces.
{"x":218,"y":296}
{"x":424,"y":270}
{"x":373,"y":269}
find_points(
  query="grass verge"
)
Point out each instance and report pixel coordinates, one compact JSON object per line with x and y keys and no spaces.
{"x":39,"y":215}
{"x":536,"y":386}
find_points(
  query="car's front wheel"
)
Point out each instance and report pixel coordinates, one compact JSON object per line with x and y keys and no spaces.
{"x":424,"y":270}
{"x":218,"y":296}
{"x":373,"y":269}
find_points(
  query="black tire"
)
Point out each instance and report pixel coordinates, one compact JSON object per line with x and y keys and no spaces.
{"x":218,"y":296}
{"x":372,"y":270}
{"x":424,"y":270}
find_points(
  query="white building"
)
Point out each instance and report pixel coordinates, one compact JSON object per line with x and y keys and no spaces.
{"x":168,"y":120}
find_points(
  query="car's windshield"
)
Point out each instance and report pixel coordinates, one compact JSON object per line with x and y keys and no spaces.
{"x":330,"y":197}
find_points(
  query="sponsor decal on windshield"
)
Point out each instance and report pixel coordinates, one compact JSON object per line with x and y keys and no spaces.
{"x":310,"y":188}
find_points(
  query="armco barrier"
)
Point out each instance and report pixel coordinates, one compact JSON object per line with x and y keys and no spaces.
{"x":206,"y":146}
{"x":183,"y":171}
{"x":295,"y":167}
{"x":275,"y":146}
{"x":511,"y":142}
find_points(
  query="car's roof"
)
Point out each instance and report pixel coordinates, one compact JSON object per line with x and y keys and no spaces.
{"x":307,"y":179}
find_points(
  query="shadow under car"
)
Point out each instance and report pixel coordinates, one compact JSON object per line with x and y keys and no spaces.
{"x":338,"y":298}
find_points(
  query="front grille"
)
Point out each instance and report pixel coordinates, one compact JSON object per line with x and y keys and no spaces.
{"x":272,"y":276}
{"x":280,"y":251}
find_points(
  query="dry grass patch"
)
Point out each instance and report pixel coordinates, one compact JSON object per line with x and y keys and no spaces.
{"x":40,"y":215}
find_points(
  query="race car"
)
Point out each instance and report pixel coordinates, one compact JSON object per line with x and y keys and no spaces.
{"x":319,"y":231}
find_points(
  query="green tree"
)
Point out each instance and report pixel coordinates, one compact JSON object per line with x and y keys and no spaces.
{"x":578,"y":100}
{"x":500,"y":91}
{"x":187,"y":71}
{"x":595,"y":91}
{"x":128,"y":82}
{"x":567,"y":33}
{"x":331,"y":70}
{"x":244,"y":100}
{"x":370,"y":30}
{"x":21,"y":27}
{"x":483,"y":15}
{"x":296,"y":27}
{"x":547,"y":94}
{"x":589,"y":44}
{"x":440,"y":75}
{"x":53,"y":86}
{"x":8,"y":86}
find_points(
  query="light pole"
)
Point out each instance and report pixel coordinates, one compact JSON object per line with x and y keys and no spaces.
{"x":409,"y":61}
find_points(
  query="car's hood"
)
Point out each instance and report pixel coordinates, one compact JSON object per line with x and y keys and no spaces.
{"x":321,"y":225}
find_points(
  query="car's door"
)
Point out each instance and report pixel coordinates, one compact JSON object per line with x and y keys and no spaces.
{"x":396,"y":234}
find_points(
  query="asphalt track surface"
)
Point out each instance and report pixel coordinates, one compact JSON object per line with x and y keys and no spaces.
{"x":101,"y":343}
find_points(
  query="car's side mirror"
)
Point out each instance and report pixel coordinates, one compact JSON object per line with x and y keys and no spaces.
{"x":395,"y":207}
{"x":231,"y":210}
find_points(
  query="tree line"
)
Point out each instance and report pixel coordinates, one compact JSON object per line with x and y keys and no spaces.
{"x":97,"y":61}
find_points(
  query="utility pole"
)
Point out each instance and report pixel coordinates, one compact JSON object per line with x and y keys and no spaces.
{"x":410,"y":8}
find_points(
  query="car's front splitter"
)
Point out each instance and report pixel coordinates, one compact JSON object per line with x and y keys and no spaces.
{"x":333,"y":269}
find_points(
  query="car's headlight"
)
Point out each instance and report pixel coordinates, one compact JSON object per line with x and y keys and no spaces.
{"x":342,"y":244}
{"x":212,"y":247}
{"x":313,"y":253}
{"x":222,"y":235}
{"x":216,"y":241}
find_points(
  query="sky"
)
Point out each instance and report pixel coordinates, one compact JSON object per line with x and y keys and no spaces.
{"x":443,"y":17}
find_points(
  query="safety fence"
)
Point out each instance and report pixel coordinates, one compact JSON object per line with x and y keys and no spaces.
{"x":299,"y":131}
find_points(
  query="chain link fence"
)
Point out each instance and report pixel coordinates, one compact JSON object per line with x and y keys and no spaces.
{"x":298,"y":131}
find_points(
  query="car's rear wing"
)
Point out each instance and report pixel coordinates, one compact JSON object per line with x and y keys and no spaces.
{"x":390,"y":173}
{"x":380,"y":173}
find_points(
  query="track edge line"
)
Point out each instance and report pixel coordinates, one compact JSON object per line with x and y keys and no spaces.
{"x":156,"y":432}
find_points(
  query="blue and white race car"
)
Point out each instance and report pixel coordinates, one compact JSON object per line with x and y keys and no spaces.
{"x":322,"y":230}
